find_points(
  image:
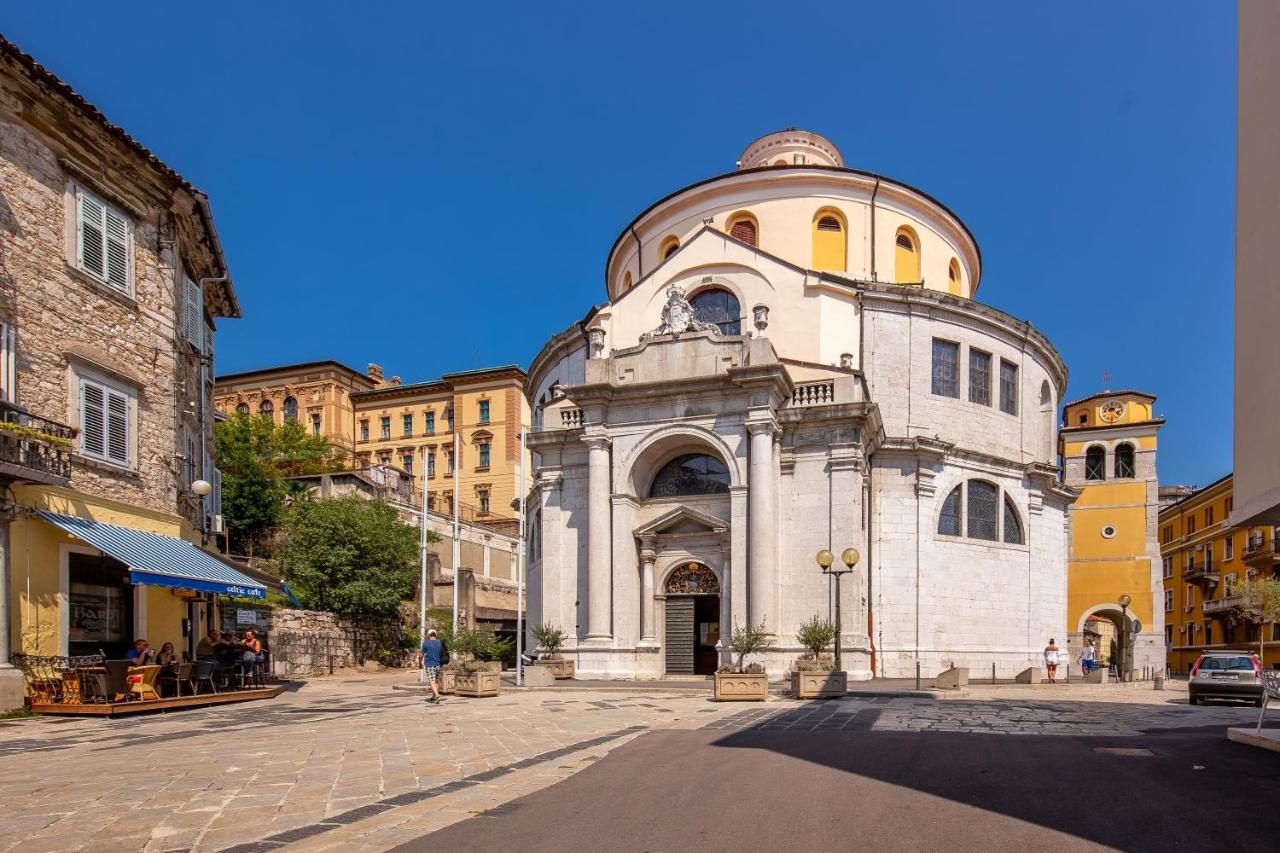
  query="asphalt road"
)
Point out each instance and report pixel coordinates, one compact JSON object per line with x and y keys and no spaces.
{"x":759,"y":788}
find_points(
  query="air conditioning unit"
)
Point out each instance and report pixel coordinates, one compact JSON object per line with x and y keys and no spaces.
{"x":1182,"y":630}
{"x":1188,"y":608}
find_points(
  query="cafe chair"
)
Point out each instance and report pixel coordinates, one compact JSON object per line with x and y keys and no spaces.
{"x":203,"y":675}
{"x":115,"y":681}
{"x":177,"y":675}
{"x":142,"y":681}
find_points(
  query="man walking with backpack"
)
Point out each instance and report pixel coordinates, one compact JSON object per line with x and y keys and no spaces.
{"x":434,"y":656}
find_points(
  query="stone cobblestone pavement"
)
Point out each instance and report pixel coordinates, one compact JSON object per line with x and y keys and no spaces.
{"x":341,"y":763}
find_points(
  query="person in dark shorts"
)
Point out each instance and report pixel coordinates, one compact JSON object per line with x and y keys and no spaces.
{"x":432,"y":660}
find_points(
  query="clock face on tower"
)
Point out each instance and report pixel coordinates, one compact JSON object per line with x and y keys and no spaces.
{"x":1111,"y":411}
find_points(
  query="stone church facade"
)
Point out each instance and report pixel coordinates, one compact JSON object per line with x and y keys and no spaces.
{"x":792,"y":358}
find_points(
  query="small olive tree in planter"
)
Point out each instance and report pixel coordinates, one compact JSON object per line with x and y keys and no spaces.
{"x":814,"y":675}
{"x":551,"y":638}
{"x":476,"y":674}
{"x":742,"y":682}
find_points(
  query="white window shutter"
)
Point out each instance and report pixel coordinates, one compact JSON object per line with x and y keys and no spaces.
{"x":194,"y":315}
{"x":117,"y":250}
{"x":93,"y":427}
{"x":92,"y":235}
{"x":117,"y":427}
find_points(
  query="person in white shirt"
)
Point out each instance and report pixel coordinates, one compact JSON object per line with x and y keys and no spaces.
{"x":1051,"y":661}
{"x":1086,"y":657}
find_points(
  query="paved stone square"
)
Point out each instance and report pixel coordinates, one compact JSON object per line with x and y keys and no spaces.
{"x":345,"y":762}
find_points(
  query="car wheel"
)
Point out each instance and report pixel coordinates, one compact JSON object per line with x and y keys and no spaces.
{"x":1194,"y":700}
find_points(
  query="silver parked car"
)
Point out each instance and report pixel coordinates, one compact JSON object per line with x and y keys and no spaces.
{"x":1226,"y":675}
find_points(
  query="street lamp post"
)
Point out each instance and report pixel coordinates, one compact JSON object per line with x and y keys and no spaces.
{"x":826,"y":560}
{"x":1123,"y":669}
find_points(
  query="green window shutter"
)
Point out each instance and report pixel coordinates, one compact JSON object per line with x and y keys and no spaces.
{"x":92,"y":254}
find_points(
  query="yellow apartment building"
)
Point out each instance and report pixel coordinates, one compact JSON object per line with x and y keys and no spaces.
{"x":1204,"y":558}
{"x":1108,"y":448}
{"x":412,"y":427}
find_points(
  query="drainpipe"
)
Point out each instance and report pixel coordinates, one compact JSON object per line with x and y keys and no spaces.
{"x":875,"y":190}
{"x":871,"y":622}
{"x":639,"y":255}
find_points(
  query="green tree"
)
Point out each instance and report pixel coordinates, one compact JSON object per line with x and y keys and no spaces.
{"x":748,"y":640}
{"x":350,"y":556}
{"x":252,"y":494}
{"x":1262,"y":599}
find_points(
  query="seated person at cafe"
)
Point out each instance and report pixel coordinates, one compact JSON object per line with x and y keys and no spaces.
{"x":167,"y":655}
{"x":207,"y":648}
{"x":141,"y":654}
{"x":252,"y":649}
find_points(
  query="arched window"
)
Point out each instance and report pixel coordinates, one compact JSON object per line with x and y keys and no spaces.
{"x":1095,"y":463}
{"x":243,"y":408}
{"x":1012,"y":524}
{"x":265,"y":408}
{"x":691,"y":474}
{"x":668,"y":247}
{"x":720,"y":307}
{"x":953,"y":277}
{"x":830,"y":244}
{"x":906,"y":257}
{"x":1124,"y":460}
{"x":780,"y":162}
{"x":290,"y":409}
{"x":949,"y":518}
{"x":626,"y":281}
{"x":981,"y":499}
{"x":742,"y":226}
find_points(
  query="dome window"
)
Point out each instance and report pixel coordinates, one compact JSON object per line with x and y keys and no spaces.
{"x":829,"y":223}
{"x":669,"y":247}
{"x":742,"y":227}
{"x":907,"y":257}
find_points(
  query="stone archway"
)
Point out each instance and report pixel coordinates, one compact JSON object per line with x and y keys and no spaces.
{"x":691,"y":630}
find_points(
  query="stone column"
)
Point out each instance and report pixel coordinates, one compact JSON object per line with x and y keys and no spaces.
{"x":647,"y":557}
{"x":599,"y":534}
{"x":762,"y":571}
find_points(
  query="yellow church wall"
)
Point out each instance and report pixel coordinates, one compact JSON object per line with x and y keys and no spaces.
{"x":1113,"y":494}
{"x":1087,"y":540}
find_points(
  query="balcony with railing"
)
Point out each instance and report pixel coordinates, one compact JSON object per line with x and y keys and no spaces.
{"x":1261,"y":552}
{"x":1199,"y":571}
{"x":34,"y":449}
{"x":1215,"y":606}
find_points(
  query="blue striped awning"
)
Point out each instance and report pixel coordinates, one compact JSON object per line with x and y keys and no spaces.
{"x":159,"y":560}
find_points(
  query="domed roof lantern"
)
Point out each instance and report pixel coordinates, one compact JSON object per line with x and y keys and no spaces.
{"x":791,"y":147}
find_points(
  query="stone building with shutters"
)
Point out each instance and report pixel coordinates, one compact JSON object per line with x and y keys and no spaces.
{"x":111,"y":280}
{"x":792,"y":357}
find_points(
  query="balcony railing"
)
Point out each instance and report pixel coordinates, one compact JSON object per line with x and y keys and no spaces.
{"x":570,"y":418}
{"x":814,"y":393}
{"x":1220,"y":605}
{"x":34,"y":447}
{"x":1259,"y":551}
{"x":1197,"y":570}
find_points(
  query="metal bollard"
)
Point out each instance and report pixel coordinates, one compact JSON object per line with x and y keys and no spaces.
{"x":993,"y":672}
{"x":917,"y":675}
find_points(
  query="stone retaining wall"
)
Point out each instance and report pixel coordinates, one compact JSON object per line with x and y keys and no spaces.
{"x":310,"y":642}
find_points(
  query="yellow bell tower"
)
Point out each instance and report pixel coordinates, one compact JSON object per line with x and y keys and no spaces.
{"x":1108,"y":449}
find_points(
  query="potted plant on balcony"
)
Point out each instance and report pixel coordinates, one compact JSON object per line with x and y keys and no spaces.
{"x":551,"y":638}
{"x":749,"y":682}
{"x":476,"y":674}
{"x":814,"y":675}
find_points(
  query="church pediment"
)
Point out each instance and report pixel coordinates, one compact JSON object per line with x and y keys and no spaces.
{"x":683,"y":519}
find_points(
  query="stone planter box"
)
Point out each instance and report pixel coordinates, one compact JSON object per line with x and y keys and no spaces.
{"x":478,"y":684}
{"x":448,"y":681}
{"x":741,"y":687}
{"x":560,"y":667}
{"x":491,"y":665}
{"x":818,"y":684}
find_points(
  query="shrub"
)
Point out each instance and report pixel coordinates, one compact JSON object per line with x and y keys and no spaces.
{"x":748,"y":639}
{"x":815,"y":635}
{"x":549,"y":637}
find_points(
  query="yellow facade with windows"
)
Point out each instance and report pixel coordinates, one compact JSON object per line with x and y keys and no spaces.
{"x":1203,"y":560}
{"x":1108,"y":447}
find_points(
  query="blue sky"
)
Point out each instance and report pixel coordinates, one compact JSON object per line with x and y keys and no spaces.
{"x":433,"y":187}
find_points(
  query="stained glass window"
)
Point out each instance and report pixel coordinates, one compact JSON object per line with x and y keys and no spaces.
{"x":981,"y":499}
{"x":720,"y":307}
{"x":691,"y":474}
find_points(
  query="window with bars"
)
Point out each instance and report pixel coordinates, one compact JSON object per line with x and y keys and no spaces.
{"x":1095,"y":463}
{"x":1124,"y":464}
{"x":946,"y":373}
{"x":1008,"y":387}
{"x":1011,"y":524}
{"x":980,"y":497}
{"x":104,"y":422}
{"x":949,"y":518}
{"x":105,"y":241}
{"x":979,"y":377}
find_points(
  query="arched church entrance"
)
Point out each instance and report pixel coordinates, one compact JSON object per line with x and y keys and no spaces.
{"x":692,"y":620}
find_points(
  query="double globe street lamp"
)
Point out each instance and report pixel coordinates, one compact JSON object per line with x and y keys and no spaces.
{"x":826,"y":560}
